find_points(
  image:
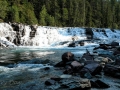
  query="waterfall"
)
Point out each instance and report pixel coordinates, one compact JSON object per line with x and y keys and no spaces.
{"x":15,"y":34}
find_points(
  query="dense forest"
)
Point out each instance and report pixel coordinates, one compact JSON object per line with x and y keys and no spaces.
{"x":73,"y":13}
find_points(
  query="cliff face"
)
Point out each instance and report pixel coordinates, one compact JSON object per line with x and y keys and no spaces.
{"x":13,"y":34}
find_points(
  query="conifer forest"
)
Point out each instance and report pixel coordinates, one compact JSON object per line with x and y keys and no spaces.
{"x":62,"y":13}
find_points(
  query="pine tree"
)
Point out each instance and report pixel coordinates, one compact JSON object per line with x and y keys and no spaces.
{"x":15,"y":14}
{"x":3,"y":9}
{"x":88,"y":14}
{"x":50,"y":20}
{"x":43,"y":15}
{"x":27,"y":14}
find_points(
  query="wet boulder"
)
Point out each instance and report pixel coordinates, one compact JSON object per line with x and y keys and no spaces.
{"x":103,"y":60}
{"x":103,"y":46}
{"x":112,"y":70}
{"x":113,"y":44}
{"x":90,"y":70}
{"x":81,"y":43}
{"x":72,"y":45}
{"x":99,"y":84}
{"x":73,"y":67}
{"x":117,"y":59}
{"x":49,"y":82}
{"x":117,"y":51}
{"x":67,"y":56}
{"x":60,"y":64}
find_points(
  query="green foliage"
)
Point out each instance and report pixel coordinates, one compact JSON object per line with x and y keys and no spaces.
{"x":15,"y":14}
{"x":3,"y":9}
{"x":87,"y":13}
{"x":43,"y":15}
{"x":30,"y":15}
{"x":50,"y":20}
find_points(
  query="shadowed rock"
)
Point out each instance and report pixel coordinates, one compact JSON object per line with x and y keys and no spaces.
{"x":67,"y":56}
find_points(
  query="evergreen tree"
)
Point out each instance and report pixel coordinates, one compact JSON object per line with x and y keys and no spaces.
{"x":70,"y":12}
{"x":88,"y":14}
{"x":50,"y":20}
{"x":3,"y":9}
{"x":43,"y":15}
{"x":117,"y":17}
{"x":27,"y":14}
{"x":57,"y":13}
{"x":15,"y":14}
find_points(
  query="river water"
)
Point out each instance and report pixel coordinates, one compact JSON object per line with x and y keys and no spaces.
{"x":25,"y":74}
{"x":27,"y":53}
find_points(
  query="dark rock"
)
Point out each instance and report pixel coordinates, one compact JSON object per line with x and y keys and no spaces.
{"x":46,"y":68}
{"x":102,"y":84}
{"x":81,"y":43}
{"x":49,"y":82}
{"x":85,"y":73}
{"x":89,"y":31}
{"x":103,"y":46}
{"x":87,"y":56}
{"x":64,"y":86}
{"x":112,"y":70}
{"x":92,"y":69}
{"x":60,"y":64}
{"x":114,"y":44}
{"x":99,"y":84}
{"x":56,"y":78}
{"x":94,"y":85}
{"x":76,"y":64}
{"x":73,"y":67}
{"x":89,"y":62}
{"x":72,"y":45}
{"x":117,"y":59}
{"x":67,"y":56}
{"x":117,"y":51}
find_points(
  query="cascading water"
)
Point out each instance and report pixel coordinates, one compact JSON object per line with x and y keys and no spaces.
{"x":12,"y":35}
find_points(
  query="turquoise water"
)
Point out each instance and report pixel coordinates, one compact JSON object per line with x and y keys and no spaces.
{"x":27,"y":53}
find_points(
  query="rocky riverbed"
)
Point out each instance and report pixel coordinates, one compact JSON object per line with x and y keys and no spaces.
{"x":35,"y":70}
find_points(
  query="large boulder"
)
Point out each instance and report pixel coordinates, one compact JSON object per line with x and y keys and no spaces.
{"x":117,"y":59}
{"x":112,"y":70}
{"x":90,"y":70}
{"x":73,"y":67}
{"x":114,"y":44}
{"x":72,"y":45}
{"x":67,"y":56}
{"x":117,"y":51}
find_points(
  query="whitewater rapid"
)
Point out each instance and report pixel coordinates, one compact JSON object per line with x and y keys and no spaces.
{"x":13,"y":35}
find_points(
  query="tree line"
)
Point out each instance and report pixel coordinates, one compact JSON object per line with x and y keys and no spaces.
{"x":67,"y":13}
